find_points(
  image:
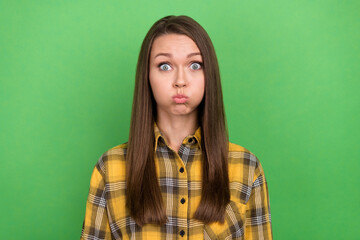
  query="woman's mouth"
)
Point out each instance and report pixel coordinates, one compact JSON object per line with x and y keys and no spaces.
{"x":180,"y":98}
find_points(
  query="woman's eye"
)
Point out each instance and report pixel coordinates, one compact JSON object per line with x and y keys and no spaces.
{"x":165,"y":67}
{"x":195,"y":66}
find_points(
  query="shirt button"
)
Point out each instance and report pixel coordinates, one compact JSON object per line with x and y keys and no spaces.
{"x":182,"y":233}
{"x":182,"y":200}
{"x":181,"y":169}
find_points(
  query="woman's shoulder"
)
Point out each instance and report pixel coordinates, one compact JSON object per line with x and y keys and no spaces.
{"x":235,"y":149}
{"x":119,"y":149}
{"x":115,"y":153}
{"x":243,"y":158}
{"x":112,"y":161}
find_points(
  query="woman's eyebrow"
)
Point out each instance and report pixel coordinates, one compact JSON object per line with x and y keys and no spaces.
{"x":170,"y":55}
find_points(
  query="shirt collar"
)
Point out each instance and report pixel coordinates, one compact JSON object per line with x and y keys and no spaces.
{"x":187,"y":140}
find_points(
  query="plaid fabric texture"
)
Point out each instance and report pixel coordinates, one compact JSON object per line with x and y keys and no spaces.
{"x":247,"y":215}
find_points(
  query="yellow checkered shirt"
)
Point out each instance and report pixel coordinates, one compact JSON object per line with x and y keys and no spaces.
{"x":247,"y":215}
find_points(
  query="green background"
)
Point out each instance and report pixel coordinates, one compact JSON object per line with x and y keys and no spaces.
{"x":290,"y":74}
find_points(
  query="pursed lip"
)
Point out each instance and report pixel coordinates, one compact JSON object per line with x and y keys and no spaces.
{"x":180,"y":98}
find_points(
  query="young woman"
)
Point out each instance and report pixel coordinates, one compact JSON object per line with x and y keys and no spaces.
{"x":177,"y":177}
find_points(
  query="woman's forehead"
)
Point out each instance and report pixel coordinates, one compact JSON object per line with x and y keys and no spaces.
{"x":169,"y":45}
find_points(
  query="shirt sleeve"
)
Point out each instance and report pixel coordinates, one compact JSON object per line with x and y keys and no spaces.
{"x":96,"y":223}
{"x":258,"y":217}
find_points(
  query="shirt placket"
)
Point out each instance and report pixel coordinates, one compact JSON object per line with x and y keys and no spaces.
{"x":183,"y":198}
{"x":183,"y":184}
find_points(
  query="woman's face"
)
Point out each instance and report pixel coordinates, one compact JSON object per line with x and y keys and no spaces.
{"x":176,"y":75}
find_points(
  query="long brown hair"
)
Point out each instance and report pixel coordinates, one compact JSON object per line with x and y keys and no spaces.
{"x":143,"y":195}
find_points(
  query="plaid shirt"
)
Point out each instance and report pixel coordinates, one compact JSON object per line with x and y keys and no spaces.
{"x":247,"y":215}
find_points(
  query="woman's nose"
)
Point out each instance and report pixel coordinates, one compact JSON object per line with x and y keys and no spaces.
{"x":180,"y":78}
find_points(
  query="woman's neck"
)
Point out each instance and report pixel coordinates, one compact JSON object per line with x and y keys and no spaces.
{"x":175,"y":128}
